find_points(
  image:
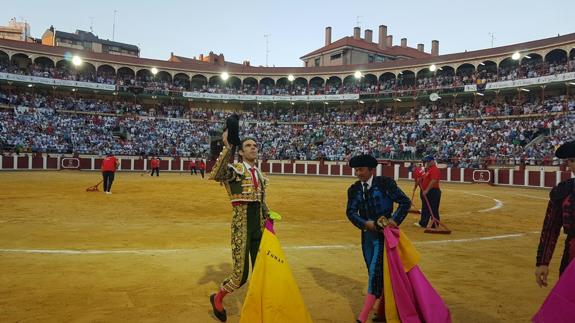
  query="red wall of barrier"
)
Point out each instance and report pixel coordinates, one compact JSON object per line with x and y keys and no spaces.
{"x":37,"y":162}
{"x":534,"y":179}
{"x":52,"y":163}
{"x":7,"y":162}
{"x":550,"y":179}
{"x":334,"y":170}
{"x":348,"y":171}
{"x":23,"y":162}
{"x":299,"y":168}
{"x":126,"y":163}
{"x":139,"y":164}
{"x":443,"y":173}
{"x":85,"y":163}
{"x":468,"y":175}
{"x":518,"y":177}
{"x":503,"y":177}
{"x":312,"y":169}
{"x":388,"y":169}
{"x":403,"y":172}
{"x":455,"y":175}
{"x":276,"y":168}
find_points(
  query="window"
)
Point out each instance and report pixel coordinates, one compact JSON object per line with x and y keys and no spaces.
{"x":336,"y":56}
{"x":316,"y":62}
{"x":370,"y":58}
{"x":379,"y":59}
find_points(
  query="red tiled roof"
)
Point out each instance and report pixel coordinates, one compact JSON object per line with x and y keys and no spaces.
{"x":370,"y":46}
{"x":200,"y":67}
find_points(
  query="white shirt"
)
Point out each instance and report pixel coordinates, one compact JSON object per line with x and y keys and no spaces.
{"x":254,"y":180}
{"x":369,"y":181}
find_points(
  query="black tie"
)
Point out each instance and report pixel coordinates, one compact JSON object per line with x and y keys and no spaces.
{"x":365,"y":191}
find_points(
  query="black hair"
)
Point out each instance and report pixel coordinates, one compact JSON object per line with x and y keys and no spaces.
{"x":241,"y":146}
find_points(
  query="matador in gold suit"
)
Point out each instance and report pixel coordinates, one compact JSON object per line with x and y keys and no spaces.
{"x":246,"y":186}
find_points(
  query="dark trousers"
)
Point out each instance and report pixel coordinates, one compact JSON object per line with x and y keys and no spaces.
{"x":157,"y":170}
{"x":434,"y":198}
{"x":193,"y":171}
{"x":108,"y":180}
{"x":202,"y":172}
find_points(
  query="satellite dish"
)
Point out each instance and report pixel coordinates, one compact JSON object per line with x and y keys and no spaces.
{"x":434,"y":97}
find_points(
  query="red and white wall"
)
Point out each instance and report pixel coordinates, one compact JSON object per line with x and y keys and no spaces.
{"x":502,"y":176}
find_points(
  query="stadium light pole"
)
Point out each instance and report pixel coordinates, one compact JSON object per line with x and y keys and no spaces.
{"x":225,"y":76}
{"x":433,"y":68}
{"x":291,"y":78}
{"x":357,"y":75}
{"x":77,"y":60}
{"x":154,"y":72}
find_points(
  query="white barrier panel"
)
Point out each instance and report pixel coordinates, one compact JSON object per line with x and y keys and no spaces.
{"x":57,"y":82}
{"x":524,"y":82}
{"x":271,"y":98}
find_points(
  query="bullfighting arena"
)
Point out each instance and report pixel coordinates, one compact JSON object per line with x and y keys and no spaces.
{"x":158,"y":247}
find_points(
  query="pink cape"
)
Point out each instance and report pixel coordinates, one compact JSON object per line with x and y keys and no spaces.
{"x":415,"y":298}
{"x":559,"y":306}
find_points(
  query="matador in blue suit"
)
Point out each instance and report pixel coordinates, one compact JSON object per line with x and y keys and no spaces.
{"x":370,"y":203}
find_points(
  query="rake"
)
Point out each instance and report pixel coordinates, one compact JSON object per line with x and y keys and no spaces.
{"x":94,"y":188}
{"x":434,"y":226}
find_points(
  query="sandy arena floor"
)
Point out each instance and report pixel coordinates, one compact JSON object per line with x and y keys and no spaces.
{"x":155,"y":249}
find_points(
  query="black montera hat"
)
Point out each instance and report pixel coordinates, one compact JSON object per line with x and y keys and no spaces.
{"x":363,"y":161}
{"x":567,"y":150}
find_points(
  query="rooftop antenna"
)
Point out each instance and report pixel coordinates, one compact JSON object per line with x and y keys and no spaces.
{"x":267,"y":37}
{"x":114,"y":26}
{"x":91,"y":24}
{"x":492,"y":35}
{"x":358,"y":21}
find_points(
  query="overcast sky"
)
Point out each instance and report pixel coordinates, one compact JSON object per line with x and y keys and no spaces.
{"x":295,"y":27}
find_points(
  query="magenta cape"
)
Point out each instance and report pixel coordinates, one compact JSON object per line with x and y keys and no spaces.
{"x":415,"y":298}
{"x":559,"y":306}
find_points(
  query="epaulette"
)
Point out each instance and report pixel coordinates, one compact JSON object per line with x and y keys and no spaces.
{"x":239,"y":168}
{"x":219,"y":169}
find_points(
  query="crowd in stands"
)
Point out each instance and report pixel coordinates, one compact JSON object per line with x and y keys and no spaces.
{"x":36,"y":123}
{"x":404,"y":84}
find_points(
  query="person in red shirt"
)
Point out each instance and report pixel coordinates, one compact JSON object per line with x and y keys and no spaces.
{"x":202,"y":167}
{"x":418,"y":172}
{"x":193,"y":170}
{"x":430,"y":191}
{"x":109,"y":166}
{"x":155,"y":165}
